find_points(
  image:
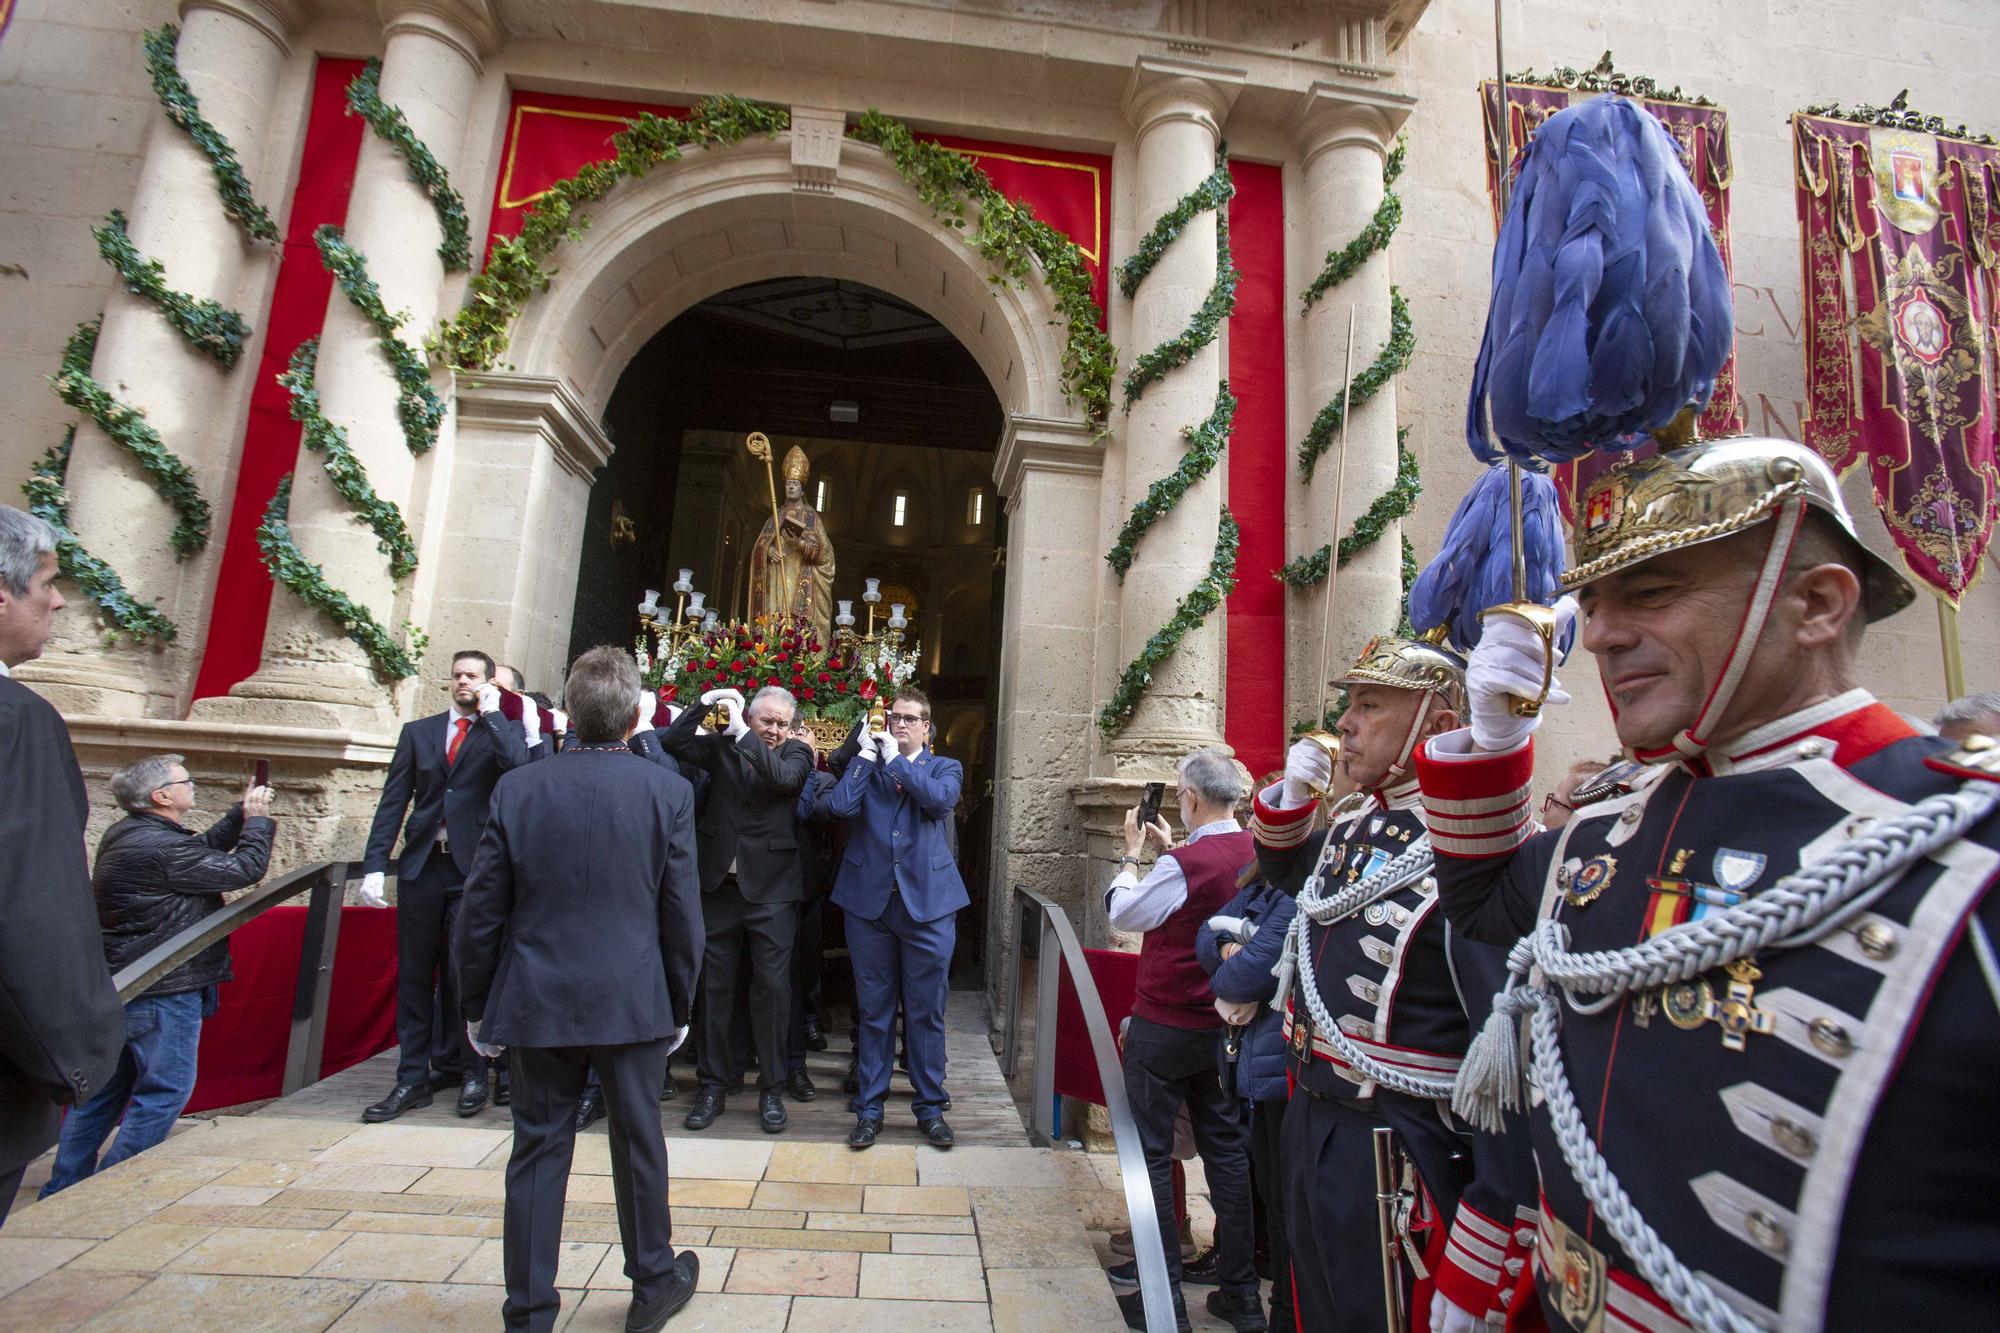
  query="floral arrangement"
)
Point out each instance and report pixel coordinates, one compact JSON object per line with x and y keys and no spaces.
{"x":834,"y":682}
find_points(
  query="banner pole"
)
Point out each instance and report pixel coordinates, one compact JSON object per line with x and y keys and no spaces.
{"x":1954,"y":661}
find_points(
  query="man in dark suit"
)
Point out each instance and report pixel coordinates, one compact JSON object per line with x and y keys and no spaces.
{"x":62,"y":1029}
{"x":900,"y":892}
{"x":751,"y":885}
{"x":442,"y":775}
{"x":578,"y":946}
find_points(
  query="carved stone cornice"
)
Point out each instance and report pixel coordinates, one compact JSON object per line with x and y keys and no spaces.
{"x":1164,"y":88}
{"x":1044,"y":444}
{"x":539,"y":405}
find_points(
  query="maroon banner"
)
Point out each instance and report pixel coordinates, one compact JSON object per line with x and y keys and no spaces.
{"x":1900,"y":239}
{"x":1703,"y":135}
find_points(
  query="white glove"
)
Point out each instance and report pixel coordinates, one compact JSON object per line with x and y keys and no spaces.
{"x":883,"y":742}
{"x":1508,"y":664}
{"x":485,"y":1048}
{"x":1235,"y":927}
{"x":738,"y":726}
{"x":531,"y":720}
{"x":1307,"y":765}
{"x":1446,"y":1317}
{"x":868,"y":751}
{"x":489,"y":698}
{"x":560,"y":720}
{"x":714,"y":696}
{"x":680,"y":1035}
{"x":371,"y":893}
{"x":1236,"y":1013}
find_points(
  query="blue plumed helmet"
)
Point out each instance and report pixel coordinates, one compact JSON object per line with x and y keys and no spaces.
{"x":1611,"y":310}
{"x":1474,"y":568}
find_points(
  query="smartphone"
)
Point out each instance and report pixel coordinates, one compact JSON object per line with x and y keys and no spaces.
{"x":263,"y":774}
{"x":1149,"y":804}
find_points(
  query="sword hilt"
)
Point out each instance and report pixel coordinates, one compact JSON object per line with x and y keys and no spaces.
{"x":1542,"y":620}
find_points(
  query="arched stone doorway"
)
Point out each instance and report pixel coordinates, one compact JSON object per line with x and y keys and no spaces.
{"x":746,"y":215}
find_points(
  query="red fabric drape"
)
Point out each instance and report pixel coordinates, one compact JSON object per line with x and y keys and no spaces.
{"x":1254,"y":679}
{"x":243,"y":1043}
{"x":1117,"y":976}
{"x":271,"y":438}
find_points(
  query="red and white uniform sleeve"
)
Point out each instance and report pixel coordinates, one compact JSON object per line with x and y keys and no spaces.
{"x":1476,"y":804}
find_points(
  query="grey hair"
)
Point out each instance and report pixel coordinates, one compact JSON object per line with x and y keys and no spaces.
{"x":782,"y":695}
{"x":24,"y":540}
{"x":1968,"y":708}
{"x":133,"y":785}
{"x":602,"y":694}
{"x":1212,"y":777}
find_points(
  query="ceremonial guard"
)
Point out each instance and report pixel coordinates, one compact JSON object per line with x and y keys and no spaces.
{"x":1377,"y":1018}
{"x":1758,"y":979}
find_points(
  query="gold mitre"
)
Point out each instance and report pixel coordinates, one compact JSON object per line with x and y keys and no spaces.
{"x":1685,"y":497}
{"x":796,"y":466}
{"x":1410,"y":664}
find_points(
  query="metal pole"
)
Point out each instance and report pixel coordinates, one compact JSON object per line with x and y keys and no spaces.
{"x":315,"y":985}
{"x":1385,"y":1219}
{"x":1954,"y":662}
{"x":1333,"y":548}
{"x":1048,"y":976}
{"x":1505,"y":177}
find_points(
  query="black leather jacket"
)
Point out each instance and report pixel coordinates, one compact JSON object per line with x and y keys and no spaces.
{"x":154,"y":878}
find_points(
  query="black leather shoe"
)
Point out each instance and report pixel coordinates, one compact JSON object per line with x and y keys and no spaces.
{"x":800,"y":1086}
{"x":445,"y":1078}
{"x":1133,"y":1306}
{"x":405,"y":1097}
{"x":863,"y":1134}
{"x":590,"y":1110}
{"x":1242,"y":1310}
{"x":472,"y":1095}
{"x":1203,"y":1270}
{"x":936,"y":1132}
{"x":815,"y":1039}
{"x":651,"y":1316}
{"x":668,"y":1088}
{"x":708,"y":1104}
{"x":771,"y":1112}
{"x":503,"y":1092}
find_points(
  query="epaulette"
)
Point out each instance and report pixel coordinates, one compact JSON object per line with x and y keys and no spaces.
{"x":1978,"y":758}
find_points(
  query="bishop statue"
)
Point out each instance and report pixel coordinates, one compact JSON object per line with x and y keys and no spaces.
{"x":791,"y":565}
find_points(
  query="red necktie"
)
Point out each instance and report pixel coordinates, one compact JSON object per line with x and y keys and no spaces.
{"x":457,"y":739}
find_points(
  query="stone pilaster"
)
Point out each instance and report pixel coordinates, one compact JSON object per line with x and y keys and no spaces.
{"x":232,"y":54}
{"x":1343,"y":137}
{"x":1176,"y":108}
{"x":312,"y":675}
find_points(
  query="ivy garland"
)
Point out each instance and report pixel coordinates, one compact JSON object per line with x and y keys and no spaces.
{"x":1153,"y":365}
{"x":172,"y":478}
{"x":48,"y":500}
{"x":1345,"y":262}
{"x":209,"y":326}
{"x":1014,"y":241}
{"x":364,"y":98}
{"x":1399,"y":501}
{"x":183,"y":110}
{"x":1193,"y":609}
{"x":477,"y":336}
{"x":289,"y":566}
{"x":349,"y":478}
{"x":1204,"y":449}
{"x":1389,"y":362}
{"x":417,"y":405}
{"x":1215,"y":190}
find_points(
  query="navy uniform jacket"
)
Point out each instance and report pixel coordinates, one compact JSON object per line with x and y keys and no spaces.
{"x":1832,"y":1164}
{"x":434,"y":795}
{"x":897,"y":814}
{"x":581,"y":924}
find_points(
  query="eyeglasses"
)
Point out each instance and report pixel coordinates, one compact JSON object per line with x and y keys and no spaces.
{"x":175,"y":783}
{"x":906,"y":719}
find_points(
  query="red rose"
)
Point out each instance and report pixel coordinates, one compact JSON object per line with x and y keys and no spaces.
{"x":798,"y":679}
{"x":824,"y":678}
{"x":714,"y":662}
{"x":736,"y":664}
{"x":783,"y":656}
{"x":806,"y":693}
{"x":841,"y":686}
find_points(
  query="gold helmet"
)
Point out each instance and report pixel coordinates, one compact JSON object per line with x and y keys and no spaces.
{"x":1688,"y":496}
{"x":796,"y":466}
{"x":1410,"y":664}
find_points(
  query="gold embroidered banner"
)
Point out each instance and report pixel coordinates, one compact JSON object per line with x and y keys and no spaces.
{"x":1900,"y":233}
{"x":1703,"y":135}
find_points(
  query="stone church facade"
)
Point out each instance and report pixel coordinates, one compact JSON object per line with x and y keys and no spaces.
{"x":1318,"y":92}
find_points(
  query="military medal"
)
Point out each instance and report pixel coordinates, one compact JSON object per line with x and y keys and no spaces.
{"x":1736,"y":1014}
{"x":1686,"y":1003}
{"x":1590,"y":880}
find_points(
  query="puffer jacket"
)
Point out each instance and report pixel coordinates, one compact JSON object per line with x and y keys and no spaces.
{"x":155,"y":878}
{"x":1246,"y":977}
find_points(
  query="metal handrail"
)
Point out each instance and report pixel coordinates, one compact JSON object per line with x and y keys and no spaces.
{"x":1057,"y":939}
{"x":327,"y":883}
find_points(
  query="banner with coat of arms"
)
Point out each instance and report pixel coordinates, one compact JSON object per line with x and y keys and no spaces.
{"x":1698,"y":126}
{"x":1900,"y":234}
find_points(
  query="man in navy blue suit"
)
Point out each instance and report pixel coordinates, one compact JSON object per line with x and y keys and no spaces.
{"x":442,"y":777}
{"x":900,"y":891}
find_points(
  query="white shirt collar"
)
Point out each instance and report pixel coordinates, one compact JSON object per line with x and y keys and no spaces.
{"x":1725,"y":756}
{"x":1227,"y":824}
{"x":4,"y":672}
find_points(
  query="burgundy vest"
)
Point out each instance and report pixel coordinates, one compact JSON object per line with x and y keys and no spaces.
{"x":1172,"y":988}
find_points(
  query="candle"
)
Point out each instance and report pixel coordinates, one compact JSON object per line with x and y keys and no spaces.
{"x":896,"y":620}
{"x":651,"y":606}
{"x":873,"y":592}
{"x":695,"y":603}
{"x":846,"y":617}
{"x":685,"y":583}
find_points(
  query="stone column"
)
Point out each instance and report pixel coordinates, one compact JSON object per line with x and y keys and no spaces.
{"x":312,"y":674}
{"x":1343,"y":136}
{"x":232,"y":54}
{"x":1177,"y":108}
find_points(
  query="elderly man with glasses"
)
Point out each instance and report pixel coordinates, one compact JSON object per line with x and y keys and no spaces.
{"x":900,"y":892}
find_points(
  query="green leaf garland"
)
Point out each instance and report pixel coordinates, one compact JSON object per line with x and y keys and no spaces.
{"x":48,"y":500}
{"x":1215,"y":190}
{"x":1193,"y":609}
{"x":417,"y":405}
{"x":1215,"y":307}
{"x":209,"y":326}
{"x":1205,"y":444}
{"x":172,"y":478}
{"x":1345,"y":262}
{"x":183,"y":110}
{"x":289,"y":566}
{"x":1390,"y":360}
{"x":323,"y":437}
{"x":364,"y":98}
{"x":1399,"y":501}
{"x":1015,"y":242}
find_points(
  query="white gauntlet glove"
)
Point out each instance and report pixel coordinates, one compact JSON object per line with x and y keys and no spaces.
{"x":1307,"y":766}
{"x":489,"y":698}
{"x":370,"y":893}
{"x":1508,"y":664}
{"x":1446,"y":1317}
{"x":531,"y":721}
{"x":738,"y":725}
